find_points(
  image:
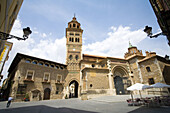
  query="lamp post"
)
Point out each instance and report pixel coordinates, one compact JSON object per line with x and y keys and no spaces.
{"x":148,"y":30}
{"x":5,"y":36}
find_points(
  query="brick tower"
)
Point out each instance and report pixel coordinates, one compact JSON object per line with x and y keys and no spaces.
{"x":74,"y":54}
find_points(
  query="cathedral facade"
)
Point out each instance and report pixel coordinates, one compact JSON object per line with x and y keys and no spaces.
{"x":83,"y":76}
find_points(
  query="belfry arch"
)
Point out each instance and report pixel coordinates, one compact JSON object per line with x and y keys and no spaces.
{"x":120,"y":79}
{"x":73,"y":89}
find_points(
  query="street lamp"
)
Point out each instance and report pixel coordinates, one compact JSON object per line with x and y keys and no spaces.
{"x":148,"y":30}
{"x":5,"y":36}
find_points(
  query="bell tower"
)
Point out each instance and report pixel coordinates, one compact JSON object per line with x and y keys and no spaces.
{"x":74,"y":49}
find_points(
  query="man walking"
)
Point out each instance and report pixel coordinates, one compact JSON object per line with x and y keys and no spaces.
{"x":9,"y":101}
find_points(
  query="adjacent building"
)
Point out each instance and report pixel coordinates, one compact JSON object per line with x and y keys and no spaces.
{"x":8,"y":10}
{"x":83,"y":76}
{"x":162,"y":12}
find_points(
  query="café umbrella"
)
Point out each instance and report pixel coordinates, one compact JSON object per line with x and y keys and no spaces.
{"x":160,"y":85}
{"x":138,"y":87}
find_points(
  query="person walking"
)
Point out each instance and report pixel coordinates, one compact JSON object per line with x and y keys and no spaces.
{"x":9,"y":101}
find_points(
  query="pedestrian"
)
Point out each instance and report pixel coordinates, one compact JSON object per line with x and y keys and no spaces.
{"x":9,"y":101}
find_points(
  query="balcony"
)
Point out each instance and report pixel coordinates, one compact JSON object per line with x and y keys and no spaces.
{"x":59,"y":82}
{"x":46,"y":81}
{"x":28,"y":80}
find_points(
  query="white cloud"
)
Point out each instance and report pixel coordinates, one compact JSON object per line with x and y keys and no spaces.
{"x":46,"y":48}
{"x":116,"y":43}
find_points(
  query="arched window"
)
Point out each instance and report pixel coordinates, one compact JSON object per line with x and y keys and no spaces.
{"x":75,"y":39}
{"x":70,"y":57}
{"x":57,"y":67}
{"x":52,"y":66}
{"x":74,"y":25}
{"x":28,"y":61}
{"x":46,"y":65}
{"x":61,"y":67}
{"x":76,"y":57}
{"x":70,"y":25}
{"x":77,"y":26}
{"x":148,"y":69}
{"x":40,"y":63}
{"x":72,"y":39}
{"x":34,"y":62}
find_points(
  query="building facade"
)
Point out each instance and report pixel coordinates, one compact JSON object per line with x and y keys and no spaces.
{"x":8,"y":10}
{"x":162,"y":12}
{"x":83,"y":76}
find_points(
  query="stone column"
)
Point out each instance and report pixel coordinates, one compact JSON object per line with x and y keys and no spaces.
{"x":111,"y":92}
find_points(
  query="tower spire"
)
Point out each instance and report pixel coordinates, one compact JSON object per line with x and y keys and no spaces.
{"x":130,"y":45}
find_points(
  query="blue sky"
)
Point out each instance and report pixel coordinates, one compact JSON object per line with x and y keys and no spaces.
{"x":96,"y":16}
{"x":108,"y":27}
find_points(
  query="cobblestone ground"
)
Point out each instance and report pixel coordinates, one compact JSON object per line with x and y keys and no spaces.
{"x":77,"y":106}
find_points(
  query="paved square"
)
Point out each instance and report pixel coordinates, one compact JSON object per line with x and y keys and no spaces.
{"x":77,"y":106}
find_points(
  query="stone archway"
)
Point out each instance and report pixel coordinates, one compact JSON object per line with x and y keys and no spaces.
{"x":47,"y":92}
{"x":73,"y":89}
{"x":120,"y":77}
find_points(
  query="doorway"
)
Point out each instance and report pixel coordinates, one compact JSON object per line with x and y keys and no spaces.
{"x":119,"y":86}
{"x":47,"y":92}
{"x":73,"y":89}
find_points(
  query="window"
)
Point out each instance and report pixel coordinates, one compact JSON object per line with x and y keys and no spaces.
{"x":70,"y":25}
{"x":77,"y":34}
{"x":77,"y":39}
{"x":41,"y":63}
{"x":21,"y":89}
{"x":132,"y":72}
{"x":77,"y":26}
{"x":59,"y":78}
{"x":148,"y":69}
{"x":47,"y":65}
{"x":34,"y":62}
{"x":93,"y":65}
{"x":151,"y":81}
{"x":91,"y":85}
{"x":70,"y":57}
{"x":61,"y":68}
{"x":46,"y":77}
{"x":57,"y":67}
{"x":52,"y":66}
{"x":28,"y":61}
{"x":74,"y":25}
{"x":76,"y":57}
{"x":70,"y":39}
{"x":103,"y":65}
{"x":30,"y":74}
{"x":71,"y":33}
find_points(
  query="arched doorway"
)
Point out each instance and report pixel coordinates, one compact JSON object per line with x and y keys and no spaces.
{"x":73,"y":89}
{"x":119,"y":86}
{"x":47,"y":92}
{"x":120,"y":79}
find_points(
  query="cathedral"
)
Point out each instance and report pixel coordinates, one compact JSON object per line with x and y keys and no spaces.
{"x":83,"y":76}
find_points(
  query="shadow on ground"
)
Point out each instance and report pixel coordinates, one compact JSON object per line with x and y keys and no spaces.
{"x":42,"y":109}
{"x":144,"y":109}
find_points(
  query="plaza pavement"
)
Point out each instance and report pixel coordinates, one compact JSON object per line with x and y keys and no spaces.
{"x":104,"y":104}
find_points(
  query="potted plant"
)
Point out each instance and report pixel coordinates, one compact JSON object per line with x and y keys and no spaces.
{"x":26,"y":98}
